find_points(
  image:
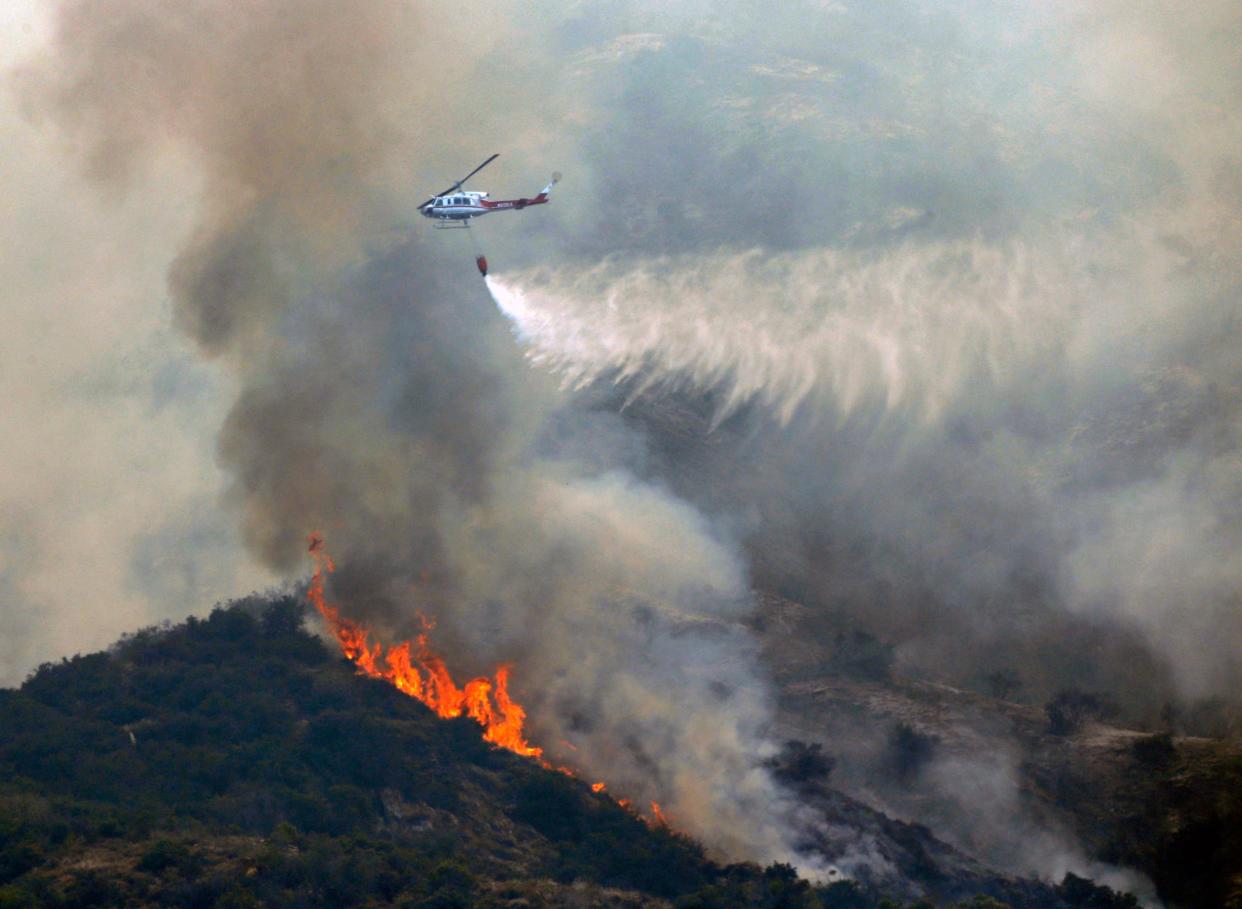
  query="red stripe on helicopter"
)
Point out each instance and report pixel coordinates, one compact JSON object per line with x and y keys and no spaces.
{"x":514,"y":203}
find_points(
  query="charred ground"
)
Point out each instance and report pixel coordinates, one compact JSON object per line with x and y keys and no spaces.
{"x":1162,"y":802}
{"x":233,"y":761}
{"x":1046,"y":739}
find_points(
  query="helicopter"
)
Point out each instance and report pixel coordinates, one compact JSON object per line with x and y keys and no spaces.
{"x":455,"y":207}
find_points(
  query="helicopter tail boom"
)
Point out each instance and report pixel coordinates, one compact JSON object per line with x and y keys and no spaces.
{"x":502,"y":204}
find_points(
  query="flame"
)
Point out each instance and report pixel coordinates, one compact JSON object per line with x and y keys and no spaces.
{"x":661,"y":820}
{"x":415,"y":669}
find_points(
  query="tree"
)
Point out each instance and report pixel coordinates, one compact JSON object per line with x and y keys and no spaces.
{"x":1154,"y":751}
{"x":909,"y":751}
{"x":799,"y":762}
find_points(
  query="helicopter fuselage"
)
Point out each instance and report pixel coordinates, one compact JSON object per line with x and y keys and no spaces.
{"x":457,"y":207}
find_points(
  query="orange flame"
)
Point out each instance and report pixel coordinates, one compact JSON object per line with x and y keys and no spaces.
{"x":414,"y":669}
{"x":661,"y":820}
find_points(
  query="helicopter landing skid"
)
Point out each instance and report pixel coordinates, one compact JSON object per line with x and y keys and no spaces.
{"x":463,"y":224}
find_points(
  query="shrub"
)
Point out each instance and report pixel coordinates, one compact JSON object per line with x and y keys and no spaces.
{"x":1070,"y":709}
{"x":1154,"y":751}
{"x":799,"y":763}
{"x":863,"y":656}
{"x":1002,"y":684}
{"x":1084,"y":894}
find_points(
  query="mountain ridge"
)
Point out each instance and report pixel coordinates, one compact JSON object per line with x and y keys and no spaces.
{"x":234,"y":761}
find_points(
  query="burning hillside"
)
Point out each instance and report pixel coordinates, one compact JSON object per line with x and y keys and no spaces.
{"x":253,"y":767}
{"x":970,"y":385}
{"x":232,"y":760}
{"x":415,"y":669}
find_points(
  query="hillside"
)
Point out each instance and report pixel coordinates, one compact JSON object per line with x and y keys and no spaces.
{"x":234,"y":761}
{"x":1166,"y":805}
{"x":1144,"y":791}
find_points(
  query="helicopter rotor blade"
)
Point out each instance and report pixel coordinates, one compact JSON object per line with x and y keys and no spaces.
{"x":475,"y":171}
{"x":458,"y":184}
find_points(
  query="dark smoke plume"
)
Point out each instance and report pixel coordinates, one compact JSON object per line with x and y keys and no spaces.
{"x":382,"y":402}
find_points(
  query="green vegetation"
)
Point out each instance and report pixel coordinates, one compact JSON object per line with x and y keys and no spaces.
{"x":234,"y":762}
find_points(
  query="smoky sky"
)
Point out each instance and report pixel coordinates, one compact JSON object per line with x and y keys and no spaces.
{"x":955,"y":281}
{"x":970,"y":274}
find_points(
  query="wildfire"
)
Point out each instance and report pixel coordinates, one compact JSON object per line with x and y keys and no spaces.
{"x":661,"y":820}
{"x":415,"y":669}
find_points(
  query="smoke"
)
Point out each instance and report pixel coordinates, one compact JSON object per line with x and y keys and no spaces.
{"x":1005,"y":422}
{"x":109,"y":517}
{"x":978,"y":799}
{"x":621,"y":603}
{"x":384,"y":404}
{"x":987,"y":412}
{"x":959,"y":284}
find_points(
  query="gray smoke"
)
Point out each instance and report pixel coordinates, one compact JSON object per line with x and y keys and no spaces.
{"x":997,"y":418}
{"x":382,"y":402}
{"x":958,"y":283}
{"x":974,"y":292}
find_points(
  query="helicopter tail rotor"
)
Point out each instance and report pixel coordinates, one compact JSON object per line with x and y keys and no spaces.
{"x":556,"y":178}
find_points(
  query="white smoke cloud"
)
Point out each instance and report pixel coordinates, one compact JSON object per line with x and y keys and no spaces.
{"x":621,"y":605}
